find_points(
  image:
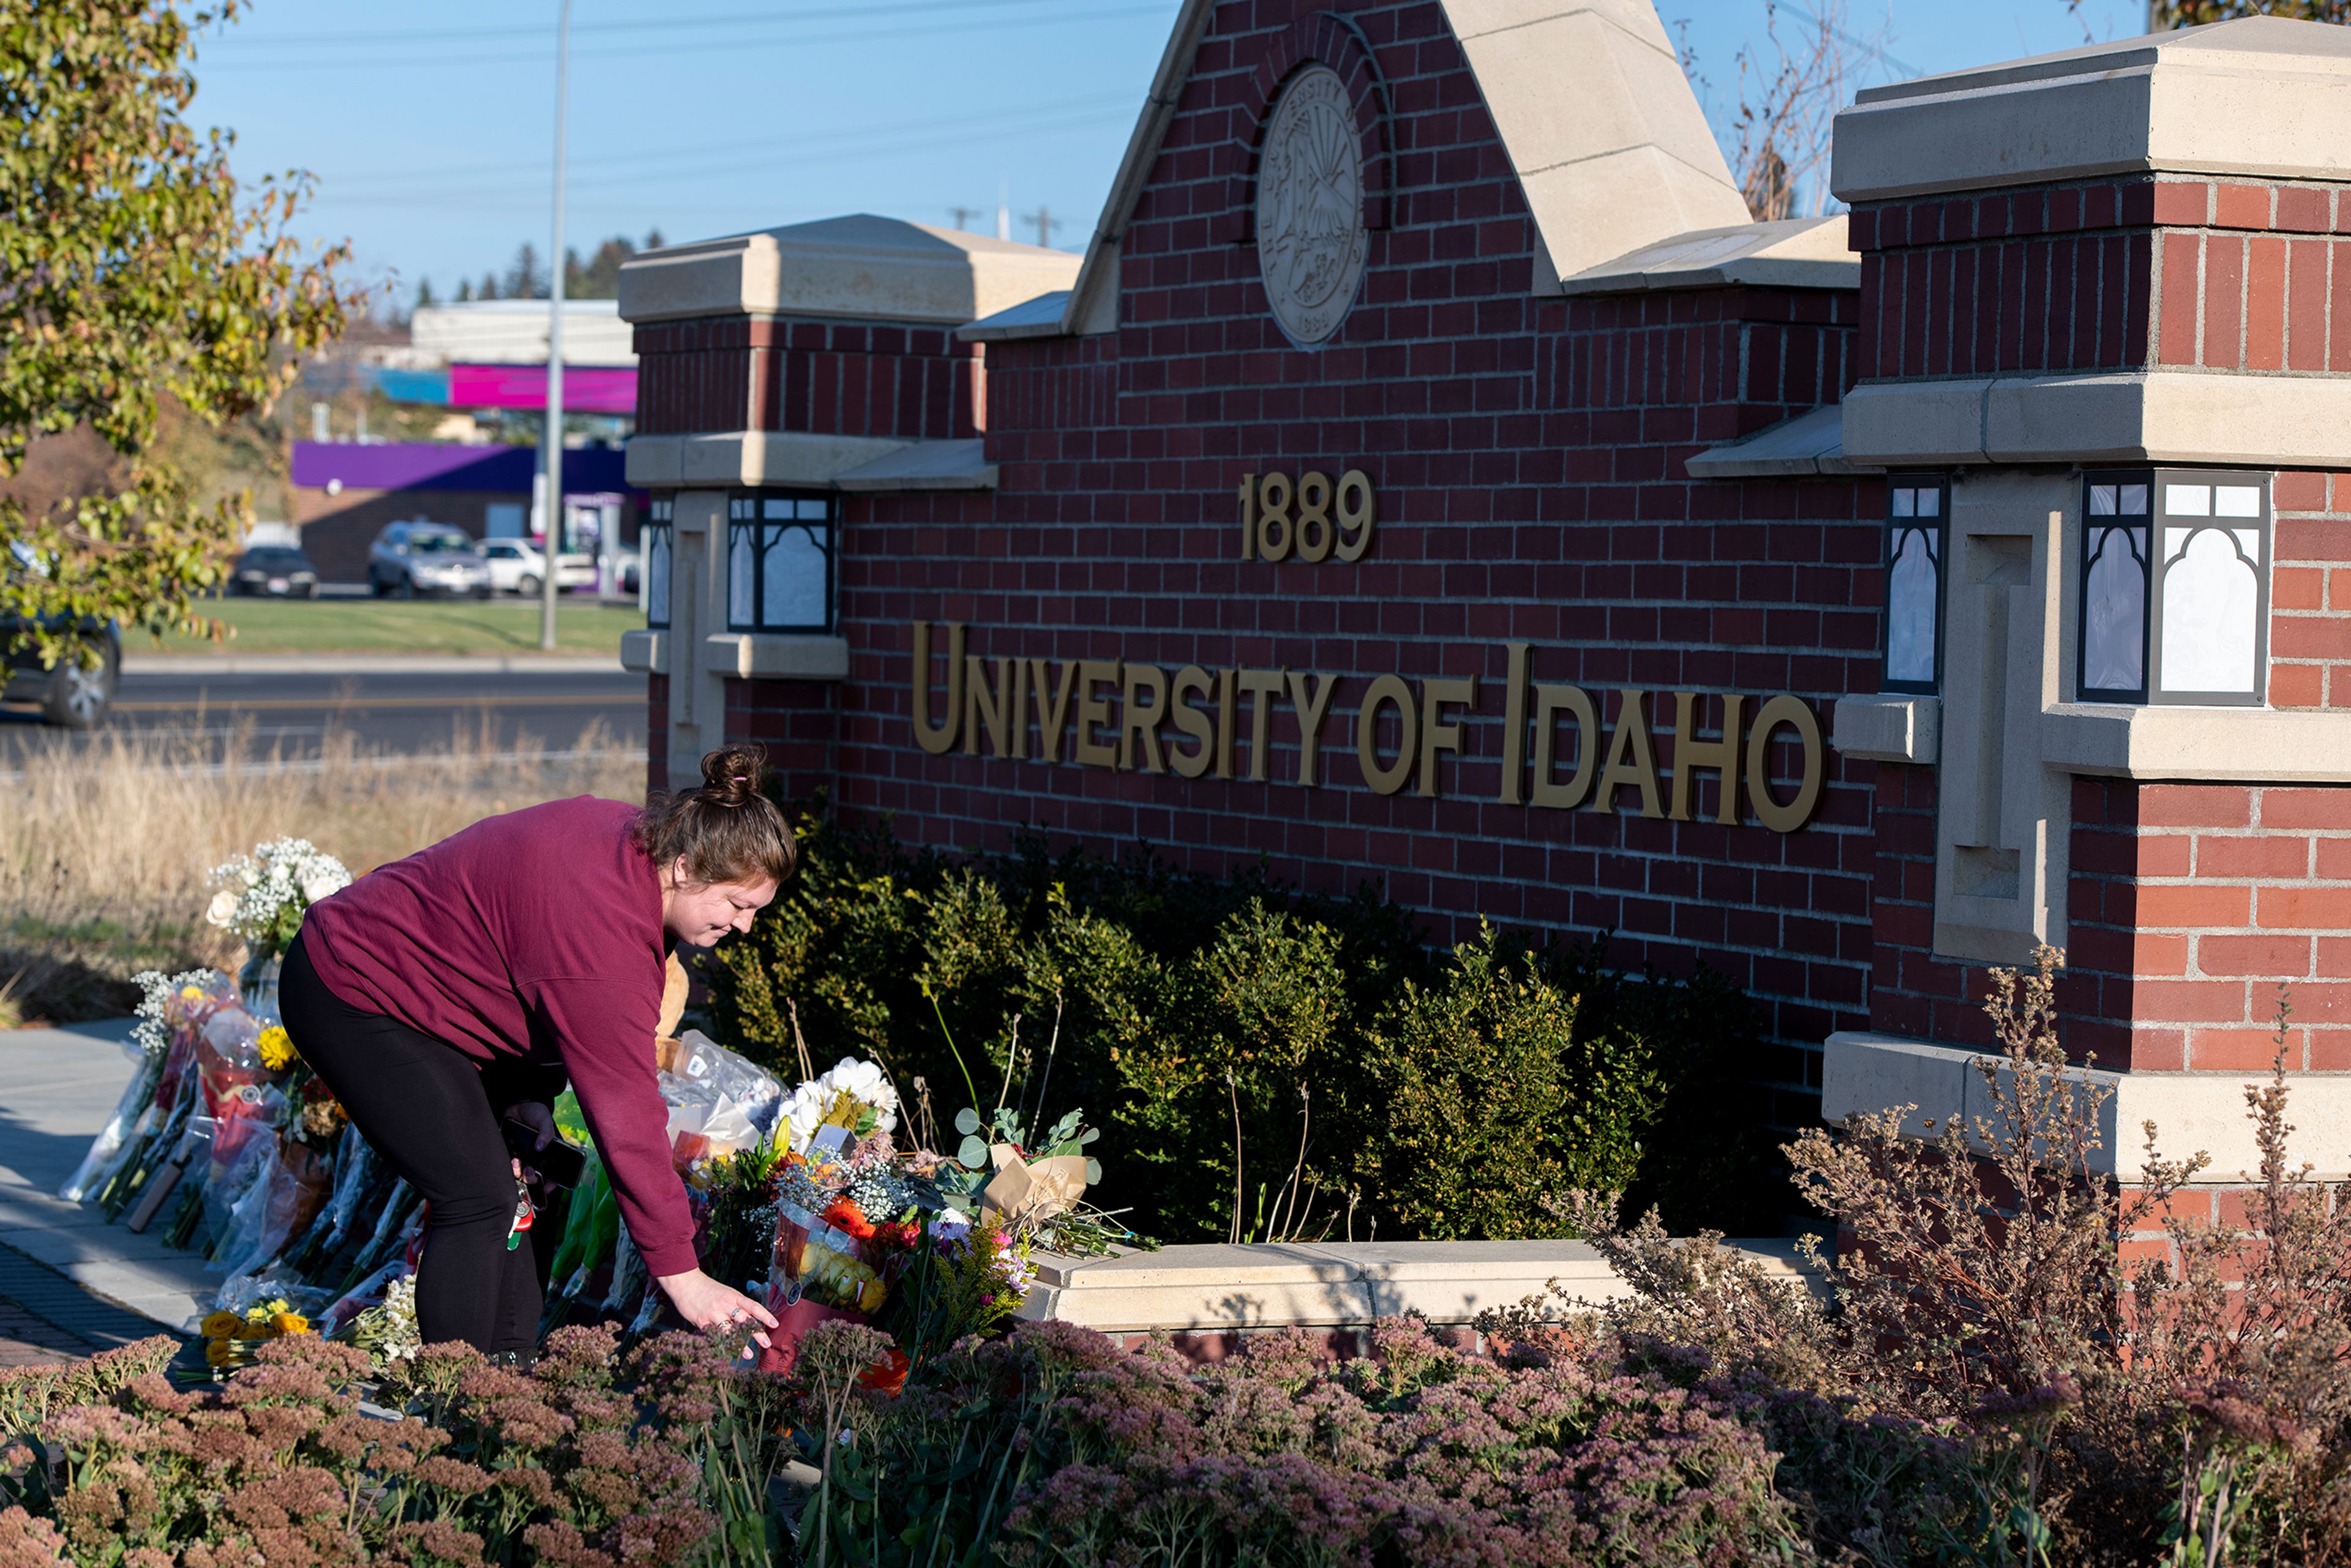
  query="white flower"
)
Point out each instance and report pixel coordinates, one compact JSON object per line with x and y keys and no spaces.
{"x":222,"y":909}
{"x":318,"y":887}
{"x":802,"y":1113}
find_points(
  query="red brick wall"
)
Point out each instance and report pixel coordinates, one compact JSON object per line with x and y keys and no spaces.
{"x":825,"y":378}
{"x":1527,"y":456}
{"x":2310,"y":591}
{"x":2108,"y":275}
{"x":797,"y":723}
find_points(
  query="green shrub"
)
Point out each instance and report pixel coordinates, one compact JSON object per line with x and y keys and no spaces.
{"x":1262,"y":1063}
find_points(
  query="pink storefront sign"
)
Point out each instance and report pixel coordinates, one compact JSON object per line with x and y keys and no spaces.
{"x":586,"y":388}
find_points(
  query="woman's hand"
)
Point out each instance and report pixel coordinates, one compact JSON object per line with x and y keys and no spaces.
{"x":706,"y":1305}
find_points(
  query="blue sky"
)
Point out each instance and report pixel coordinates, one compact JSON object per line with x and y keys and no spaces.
{"x":429,"y":124}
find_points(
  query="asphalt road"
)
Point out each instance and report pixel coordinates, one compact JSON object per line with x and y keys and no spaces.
{"x":289,"y":714}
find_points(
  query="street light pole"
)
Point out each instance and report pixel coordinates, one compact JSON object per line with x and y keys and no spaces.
{"x":553,"y":517}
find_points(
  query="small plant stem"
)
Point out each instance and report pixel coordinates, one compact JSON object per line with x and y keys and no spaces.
{"x":1233,"y":1089}
{"x":807,"y":1068}
{"x":941,"y":1014}
{"x":1011,"y":1059}
{"x":1052,"y":1044}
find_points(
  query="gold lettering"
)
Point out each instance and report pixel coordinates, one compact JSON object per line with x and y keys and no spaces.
{"x":1794,"y":713}
{"x":1632,"y":758}
{"x":1139,"y":722}
{"x":1310,"y":708}
{"x":998,"y":710}
{"x":1576,"y":703}
{"x":1191,"y":721}
{"x":1052,"y":719}
{"x":1260,"y":687}
{"x":1358,"y":512}
{"x":1690,"y":753}
{"x":1435,"y":737}
{"x":1224,"y":723}
{"x":940,"y":738}
{"x":1514,"y":727}
{"x":1093,"y":711}
{"x":1387,"y":689}
{"x":1272,"y":512}
{"x":1249,"y":516}
{"x":1314,"y":512}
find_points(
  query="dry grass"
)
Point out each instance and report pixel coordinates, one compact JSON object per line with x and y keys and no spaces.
{"x":105,"y":849}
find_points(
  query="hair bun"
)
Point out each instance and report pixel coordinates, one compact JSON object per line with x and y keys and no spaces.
{"x":731,"y":774}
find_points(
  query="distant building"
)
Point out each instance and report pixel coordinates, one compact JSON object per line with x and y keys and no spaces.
{"x":472,"y":358}
{"x":346,"y":491}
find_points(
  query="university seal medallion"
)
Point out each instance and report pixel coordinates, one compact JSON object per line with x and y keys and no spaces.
{"x":1310,"y":207}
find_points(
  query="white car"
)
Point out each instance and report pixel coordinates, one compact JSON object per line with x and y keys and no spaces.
{"x":517,"y":566}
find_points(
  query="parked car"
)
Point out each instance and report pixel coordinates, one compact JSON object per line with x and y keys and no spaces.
{"x":280,"y":571}
{"x":72,"y":695}
{"x":420,"y":557}
{"x":517,"y":566}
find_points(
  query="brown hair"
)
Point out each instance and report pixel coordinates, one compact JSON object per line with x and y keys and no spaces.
{"x":726,"y":830}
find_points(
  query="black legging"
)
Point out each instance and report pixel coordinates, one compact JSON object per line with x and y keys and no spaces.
{"x":425,"y":1107}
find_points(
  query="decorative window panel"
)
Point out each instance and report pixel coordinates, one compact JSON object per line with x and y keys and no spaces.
{"x":2175,"y":587}
{"x":779,"y":563}
{"x":653,"y":584}
{"x":1914,"y":538}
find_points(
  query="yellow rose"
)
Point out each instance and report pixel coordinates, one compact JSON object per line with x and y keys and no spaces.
{"x":191,"y":993}
{"x":220,"y":1325}
{"x":277,"y":1047}
{"x":291,"y":1322}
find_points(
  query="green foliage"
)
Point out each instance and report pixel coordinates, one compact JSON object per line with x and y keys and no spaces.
{"x":138,"y":272}
{"x":1261,"y":1063}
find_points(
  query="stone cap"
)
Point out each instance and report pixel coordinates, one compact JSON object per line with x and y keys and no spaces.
{"x":1321,"y":1284}
{"x":1793,"y":253}
{"x":2260,"y":96}
{"x":860,"y":266}
{"x":959,"y":464}
{"x":1811,"y":442}
{"x":1038,"y":317}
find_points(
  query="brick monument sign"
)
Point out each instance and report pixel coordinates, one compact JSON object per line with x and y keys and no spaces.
{"x":1429,"y":475}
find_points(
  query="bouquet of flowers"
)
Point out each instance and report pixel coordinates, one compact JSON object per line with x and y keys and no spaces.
{"x":263,"y":896}
{"x":171,"y":1013}
{"x":229,"y":1336}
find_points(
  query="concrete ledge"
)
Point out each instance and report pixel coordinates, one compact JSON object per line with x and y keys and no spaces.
{"x":2204,"y":417}
{"x":770,"y":656}
{"x":646,"y":652}
{"x":1223,"y":1289}
{"x":1866,"y":1071}
{"x":1789,"y":253}
{"x":1812,"y":442}
{"x":925,"y":466}
{"x":2260,"y":98}
{"x":1886,"y":728}
{"x":2251,"y":745}
{"x":729,"y":459}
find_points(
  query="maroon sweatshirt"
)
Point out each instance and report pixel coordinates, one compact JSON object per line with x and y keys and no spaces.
{"x":536,"y":934}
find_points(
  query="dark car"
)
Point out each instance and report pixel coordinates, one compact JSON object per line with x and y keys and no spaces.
{"x":277,"y":570}
{"x":72,"y":694}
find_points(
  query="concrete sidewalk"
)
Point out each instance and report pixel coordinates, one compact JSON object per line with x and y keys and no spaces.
{"x":57,"y":1086}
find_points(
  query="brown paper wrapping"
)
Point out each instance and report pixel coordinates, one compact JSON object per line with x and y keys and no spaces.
{"x":1034,"y":1190}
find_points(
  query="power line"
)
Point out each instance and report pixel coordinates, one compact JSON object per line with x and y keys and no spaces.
{"x":446,"y":60}
{"x":670,"y":156}
{"x":662,"y":24}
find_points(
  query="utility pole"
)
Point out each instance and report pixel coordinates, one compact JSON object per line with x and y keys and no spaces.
{"x":963,"y":215}
{"x":549,"y":585}
{"x":1045,"y":220}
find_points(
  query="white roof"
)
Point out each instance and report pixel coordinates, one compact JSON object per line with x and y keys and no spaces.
{"x":514,"y":332}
